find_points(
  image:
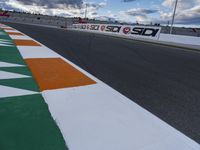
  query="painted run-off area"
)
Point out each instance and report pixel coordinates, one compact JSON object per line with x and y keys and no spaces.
{"x":26,"y":123}
{"x":95,"y":116}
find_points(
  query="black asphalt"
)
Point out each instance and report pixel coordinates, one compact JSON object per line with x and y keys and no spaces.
{"x":164,"y":80}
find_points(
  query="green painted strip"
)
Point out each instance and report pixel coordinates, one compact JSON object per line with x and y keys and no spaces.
{"x":11,"y":55}
{"x":26,"y":124}
{"x":21,"y":83}
{"x":4,"y":35}
{"x":25,"y":121}
{"x":20,"y":70}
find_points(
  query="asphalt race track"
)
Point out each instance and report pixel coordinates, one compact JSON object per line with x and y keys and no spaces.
{"x":164,"y":80}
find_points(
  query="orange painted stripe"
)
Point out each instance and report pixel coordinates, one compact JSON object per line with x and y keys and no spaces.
{"x":20,"y":42}
{"x":4,"y":28}
{"x":55,"y":73}
{"x":15,"y":33}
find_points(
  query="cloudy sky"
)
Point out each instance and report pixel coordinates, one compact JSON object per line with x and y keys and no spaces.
{"x":142,"y":11}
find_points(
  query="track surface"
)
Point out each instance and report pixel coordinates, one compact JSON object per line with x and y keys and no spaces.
{"x":164,"y":80}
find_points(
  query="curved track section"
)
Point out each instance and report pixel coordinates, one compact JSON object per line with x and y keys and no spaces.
{"x":163,"y":80}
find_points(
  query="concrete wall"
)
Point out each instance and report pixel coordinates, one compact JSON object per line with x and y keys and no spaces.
{"x":190,"y":40}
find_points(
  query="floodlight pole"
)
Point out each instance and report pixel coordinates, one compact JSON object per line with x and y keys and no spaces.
{"x":85,"y":10}
{"x":173,"y":18}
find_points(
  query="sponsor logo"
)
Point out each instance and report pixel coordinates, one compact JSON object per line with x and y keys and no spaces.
{"x":126,"y":30}
{"x":114,"y":29}
{"x":151,"y":32}
{"x":94,"y":27}
{"x":145,"y":31}
{"x":83,"y":27}
{"x":88,"y":27}
{"x":103,"y":28}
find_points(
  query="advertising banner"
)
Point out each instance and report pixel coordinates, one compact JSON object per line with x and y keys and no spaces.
{"x":150,"y":32}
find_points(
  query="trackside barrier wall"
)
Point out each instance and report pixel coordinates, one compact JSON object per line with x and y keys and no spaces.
{"x":189,"y":40}
{"x":148,"y":32}
{"x":142,"y":32}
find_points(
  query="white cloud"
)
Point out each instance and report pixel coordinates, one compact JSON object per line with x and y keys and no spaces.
{"x":188,"y":11}
{"x":182,"y":4}
{"x":67,"y":8}
{"x":141,"y":15}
